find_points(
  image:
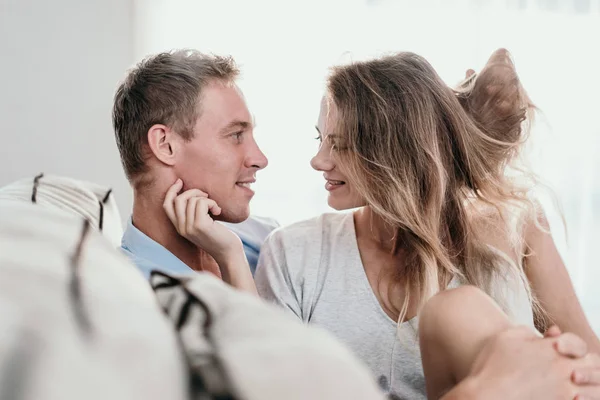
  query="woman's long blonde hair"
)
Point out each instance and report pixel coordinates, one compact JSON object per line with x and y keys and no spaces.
{"x":421,"y":153}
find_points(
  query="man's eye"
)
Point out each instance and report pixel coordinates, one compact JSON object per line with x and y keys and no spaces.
{"x":319,"y":138}
{"x":237,"y":136}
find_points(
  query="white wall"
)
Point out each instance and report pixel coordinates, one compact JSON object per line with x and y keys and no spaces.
{"x":61,"y":61}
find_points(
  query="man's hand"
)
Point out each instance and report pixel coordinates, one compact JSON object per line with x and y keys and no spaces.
{"x":517,"y":364}
{"x":190,"y":212}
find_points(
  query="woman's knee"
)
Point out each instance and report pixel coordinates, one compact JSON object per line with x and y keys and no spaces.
{"x":459,"y":319}
{"x":445,"y":308}
{"x":453,"y":327}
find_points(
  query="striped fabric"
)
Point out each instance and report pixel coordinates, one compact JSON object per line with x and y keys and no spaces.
{"x":193,"y":321}
{"x":90,"y":201}
{"x":239,"y":347}
{"x":77,"y":320}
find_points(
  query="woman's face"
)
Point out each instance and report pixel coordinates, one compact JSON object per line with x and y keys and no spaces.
{"x":342,"y":194}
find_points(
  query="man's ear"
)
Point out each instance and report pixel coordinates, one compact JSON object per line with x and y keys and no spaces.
{"x":163,"y":143}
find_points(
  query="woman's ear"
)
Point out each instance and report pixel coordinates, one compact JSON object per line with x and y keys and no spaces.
{"x":163,"y":143}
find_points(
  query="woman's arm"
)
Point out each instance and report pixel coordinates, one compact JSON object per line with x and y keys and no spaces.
{"x":552,"y":286}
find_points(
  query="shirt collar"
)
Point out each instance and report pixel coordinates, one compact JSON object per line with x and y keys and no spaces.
{"x":142,"y":246}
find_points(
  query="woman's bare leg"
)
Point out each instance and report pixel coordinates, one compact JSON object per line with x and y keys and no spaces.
{"x":453,"y":328}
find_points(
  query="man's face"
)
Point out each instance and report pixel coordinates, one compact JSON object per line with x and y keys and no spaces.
{"x":222,"y":158}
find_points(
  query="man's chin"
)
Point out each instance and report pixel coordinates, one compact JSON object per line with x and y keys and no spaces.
{"x":233,"y":217}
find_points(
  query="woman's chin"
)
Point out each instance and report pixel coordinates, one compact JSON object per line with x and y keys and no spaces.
{"x":340,"y":204}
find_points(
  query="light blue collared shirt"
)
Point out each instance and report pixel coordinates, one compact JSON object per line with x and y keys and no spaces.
{"x":149,"y":255}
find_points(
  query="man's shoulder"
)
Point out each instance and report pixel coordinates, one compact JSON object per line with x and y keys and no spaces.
{"x":143,"y":264}
{"x":149,"y":255}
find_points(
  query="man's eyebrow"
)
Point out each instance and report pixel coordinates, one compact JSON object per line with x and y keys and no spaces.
{"x":236,"y":124}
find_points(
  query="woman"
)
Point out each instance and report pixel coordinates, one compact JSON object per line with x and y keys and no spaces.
{"x":432,"y":173}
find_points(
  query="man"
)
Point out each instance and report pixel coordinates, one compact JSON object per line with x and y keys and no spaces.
{"x":185,"y":137}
